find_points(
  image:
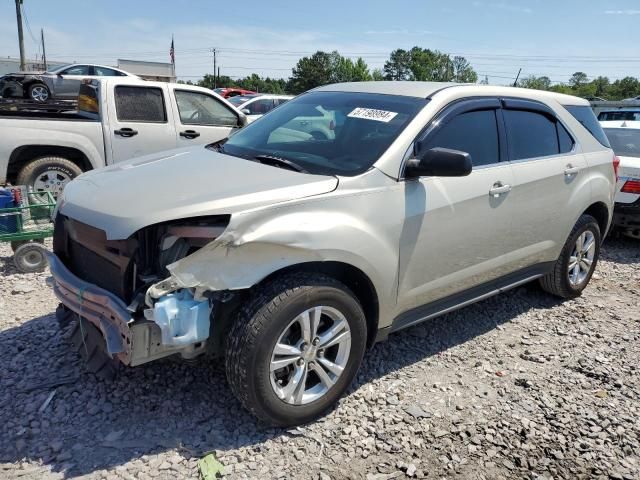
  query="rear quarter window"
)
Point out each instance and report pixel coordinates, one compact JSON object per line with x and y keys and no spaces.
{"x":587,"y":118}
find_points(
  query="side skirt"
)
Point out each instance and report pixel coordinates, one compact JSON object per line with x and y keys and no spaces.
{"x":465,"y":298}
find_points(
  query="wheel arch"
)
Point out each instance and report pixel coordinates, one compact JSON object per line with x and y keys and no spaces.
{"x":24,"y":154}
{"x":600,"y":212}
{"x":355,"y":279}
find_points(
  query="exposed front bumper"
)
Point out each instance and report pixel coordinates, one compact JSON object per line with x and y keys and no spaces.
{"x":133,"y":341}
{"x":100,"y":307}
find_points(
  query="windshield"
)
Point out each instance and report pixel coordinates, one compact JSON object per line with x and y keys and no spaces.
{"x":329,"y":133}
{"x":625,"y":142}
{"x":240,"y":99}
{"x":57,"y":69}
{"x":619,"y":115}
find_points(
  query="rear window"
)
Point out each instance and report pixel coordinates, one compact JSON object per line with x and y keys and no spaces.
{"x":624,"y":141}
{"x":587,"y":118}
{"x":619,"y":115}
{"x":140,"y":104}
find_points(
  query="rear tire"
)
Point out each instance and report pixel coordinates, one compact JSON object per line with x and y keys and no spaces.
{"x":30,"y":257}
{"x":276,"y":308}
{"x":48,"y":174}
{"x":562,"y":281}
{"x":91,"y":347}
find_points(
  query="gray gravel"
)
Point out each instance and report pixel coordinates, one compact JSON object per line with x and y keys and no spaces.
{"x":518,"y":386}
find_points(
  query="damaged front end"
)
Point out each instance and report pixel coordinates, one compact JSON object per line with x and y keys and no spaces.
{"x":106,"y":283}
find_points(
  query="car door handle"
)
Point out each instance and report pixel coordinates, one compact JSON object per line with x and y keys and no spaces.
{"x":126,"y":132}
{"x":498,"y":189}
{"x":189,"y":134}
{"x":571,"y":170}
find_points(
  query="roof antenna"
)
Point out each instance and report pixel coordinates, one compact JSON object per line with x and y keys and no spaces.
{"x":515,"y":84}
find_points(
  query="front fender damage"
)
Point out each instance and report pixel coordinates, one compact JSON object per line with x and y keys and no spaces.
{"x":237,"y":261}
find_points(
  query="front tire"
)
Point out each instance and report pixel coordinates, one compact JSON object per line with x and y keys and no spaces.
{"x":575,"y":266}
{"x":30,"y":257}
{"x":39,"y":92}
{"x":295,"y":348}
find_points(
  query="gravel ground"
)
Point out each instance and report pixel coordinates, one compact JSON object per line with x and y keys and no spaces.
{"x":518,"y":386}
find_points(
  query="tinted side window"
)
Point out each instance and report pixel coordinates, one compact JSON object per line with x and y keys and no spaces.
{"x":473,"y":132}
{"x":259,"y":107}
{"x":140,"y":104}
{"x":530,"y":135}
{"x":566,"y":141}
{"x":587,"y":118}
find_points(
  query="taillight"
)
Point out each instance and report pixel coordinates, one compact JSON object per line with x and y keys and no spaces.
{"x":631,"y":186}
{"x":616,"y":165}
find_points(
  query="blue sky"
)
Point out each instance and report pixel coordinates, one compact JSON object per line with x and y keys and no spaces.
{"x":544,"y":37}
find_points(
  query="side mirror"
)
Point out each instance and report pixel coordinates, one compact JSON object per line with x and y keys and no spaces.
{"x":243,"y":121}
{"x":439,"y":162}
{"x":246,"y":111}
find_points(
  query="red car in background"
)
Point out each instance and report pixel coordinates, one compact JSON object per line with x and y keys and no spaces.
{"x":232,"y":92}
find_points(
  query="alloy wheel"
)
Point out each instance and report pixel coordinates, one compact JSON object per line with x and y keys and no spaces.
{"x":581,"y":259}
{"x":310,"y":355}
{"x":39,"y":93}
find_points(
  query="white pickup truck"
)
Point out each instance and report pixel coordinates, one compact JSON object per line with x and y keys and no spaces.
{"x":116,"y":119}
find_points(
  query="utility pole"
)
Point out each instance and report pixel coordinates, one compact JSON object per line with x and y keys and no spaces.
{"x":218,"y":73}
{"x":20,"y":39}
{"x":44,"y":53}
{"x":214,"y":69}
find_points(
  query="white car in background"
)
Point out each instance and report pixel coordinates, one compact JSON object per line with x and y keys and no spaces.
{"x":254,"y":106}
{"x":624,"y":137}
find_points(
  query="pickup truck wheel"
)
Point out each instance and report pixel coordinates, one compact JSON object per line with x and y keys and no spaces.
{"x":48,"y":174}
{"x":577,"y":262}
{"x":295,"y":348}
{"x":90,"y":344}
{"x":38,"y":92}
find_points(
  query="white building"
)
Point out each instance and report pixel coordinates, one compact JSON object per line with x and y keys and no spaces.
{"x":156,"y":71}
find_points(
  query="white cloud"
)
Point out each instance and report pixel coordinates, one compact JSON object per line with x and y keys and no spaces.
{"x":622,"y":12}
{"x":399,"y":32}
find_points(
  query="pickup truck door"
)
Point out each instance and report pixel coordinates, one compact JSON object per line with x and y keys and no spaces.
{"x":139,"y":121}
{"x":201,"y":118}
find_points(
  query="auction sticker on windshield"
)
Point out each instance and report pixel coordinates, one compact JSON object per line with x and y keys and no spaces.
{"x":372,"y":114}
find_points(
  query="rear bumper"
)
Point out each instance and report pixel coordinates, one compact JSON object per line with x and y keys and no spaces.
{"x":100,"y":307}
{"x":627,"y":215}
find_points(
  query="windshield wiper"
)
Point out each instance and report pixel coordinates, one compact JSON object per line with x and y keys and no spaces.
{"x":280,"y":162}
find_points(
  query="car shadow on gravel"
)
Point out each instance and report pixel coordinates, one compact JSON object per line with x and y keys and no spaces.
{"x":55,"y":413}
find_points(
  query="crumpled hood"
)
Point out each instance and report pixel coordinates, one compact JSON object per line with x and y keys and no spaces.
{"x":183,"y":183}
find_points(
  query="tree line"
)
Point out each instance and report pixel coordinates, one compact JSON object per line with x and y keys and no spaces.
{"x":580,"y":85}
{"x":323,"y":68}
{"x":420,"y":64}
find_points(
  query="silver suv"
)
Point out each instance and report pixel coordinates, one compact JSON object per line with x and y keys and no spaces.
{"x":286,"y":256}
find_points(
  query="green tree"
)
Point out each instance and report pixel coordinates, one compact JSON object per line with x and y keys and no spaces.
{"x":311,"y":72}
{"x":398,"y":67}
{"x":463,"y":72}
{"x":602,"y":85}
{"x":377,"y":75}
{"x":537,"y":83}
{"x":578,"y":79}
{"x":424,"y":64}
{"x":625,"y":88}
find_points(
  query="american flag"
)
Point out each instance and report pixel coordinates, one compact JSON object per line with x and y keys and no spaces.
{"x":172,"y":53}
